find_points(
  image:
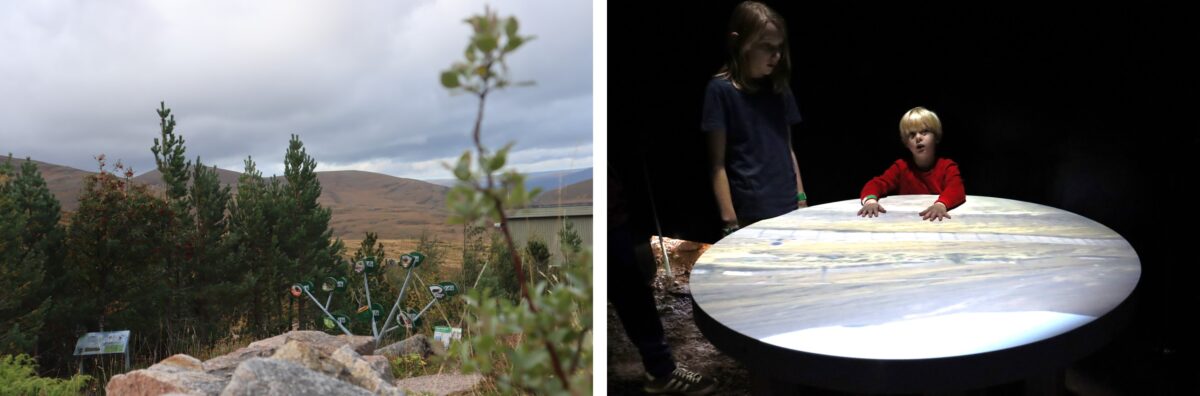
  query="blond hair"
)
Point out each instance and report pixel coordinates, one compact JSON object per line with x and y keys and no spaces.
{"x":749,"y":20}
{"x":920,"y":118}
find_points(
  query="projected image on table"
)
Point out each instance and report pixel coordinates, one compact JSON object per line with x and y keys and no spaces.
{"x":999,"y":274}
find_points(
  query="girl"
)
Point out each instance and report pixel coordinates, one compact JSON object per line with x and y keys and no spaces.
{"x":748,"y":113}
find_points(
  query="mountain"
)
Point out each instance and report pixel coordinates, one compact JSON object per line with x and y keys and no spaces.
{"x":393,"y":207}
{"x":66,"y":183}
{"x":575,"y":194}
{"x":547,"y":180}
{"x":554,"y":179}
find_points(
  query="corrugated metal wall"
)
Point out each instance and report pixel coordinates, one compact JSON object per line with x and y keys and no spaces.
{"x":547,"y":229}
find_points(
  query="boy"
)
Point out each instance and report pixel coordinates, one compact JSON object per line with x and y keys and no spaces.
{"x":920,"y":131}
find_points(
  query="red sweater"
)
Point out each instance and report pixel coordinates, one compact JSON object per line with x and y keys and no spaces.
{"x":904,"y":178}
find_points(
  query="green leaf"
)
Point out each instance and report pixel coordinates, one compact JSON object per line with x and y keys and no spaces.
{"x":450,"y":79}
{"x":470,"y":53}
{"x":463,"y":170}
{"x":497,"y":161}
{"x":510,"y":27}
{"x":513,"y":43}
{"x":486,"y":42}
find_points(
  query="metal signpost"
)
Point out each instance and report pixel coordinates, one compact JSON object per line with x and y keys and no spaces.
{"x":373,"y":312}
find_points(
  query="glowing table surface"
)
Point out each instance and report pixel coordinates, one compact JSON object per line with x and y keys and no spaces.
{"x":893,"y":303}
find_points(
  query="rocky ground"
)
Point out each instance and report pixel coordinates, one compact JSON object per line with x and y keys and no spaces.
{"x":295,"y":363}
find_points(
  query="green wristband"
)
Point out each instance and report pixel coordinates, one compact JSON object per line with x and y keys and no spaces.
{"x":801,"y":197}
{"x":870,"y":197}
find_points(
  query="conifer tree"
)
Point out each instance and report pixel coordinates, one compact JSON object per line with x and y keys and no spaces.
{"x":30,"y":243}
{"x":115,"y":242}
{"x":214,"y":268}
{"x":304,"y":224}
{"x":254,"y":251}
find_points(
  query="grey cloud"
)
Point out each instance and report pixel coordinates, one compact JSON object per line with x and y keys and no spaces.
{"x":356,"y":83}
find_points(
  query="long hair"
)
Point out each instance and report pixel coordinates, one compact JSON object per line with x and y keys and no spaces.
{"x":749,"y":20}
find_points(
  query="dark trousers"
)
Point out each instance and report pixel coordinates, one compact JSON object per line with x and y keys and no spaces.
{"x":633,"y":299}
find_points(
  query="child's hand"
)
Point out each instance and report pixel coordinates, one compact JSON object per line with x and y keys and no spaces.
{"x":871,"y":209}
{"x":801,"y":204}
{"x":935,"y":211}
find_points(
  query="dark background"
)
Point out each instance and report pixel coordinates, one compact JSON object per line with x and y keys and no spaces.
{"x":1088,"y":110}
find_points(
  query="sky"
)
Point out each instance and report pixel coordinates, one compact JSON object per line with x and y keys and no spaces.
{"x":358,"y":82}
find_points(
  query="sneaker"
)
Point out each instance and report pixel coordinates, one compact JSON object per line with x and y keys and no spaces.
{"x":681,"y":382}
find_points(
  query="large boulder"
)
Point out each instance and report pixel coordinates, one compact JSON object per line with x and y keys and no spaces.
{"x":327,"y":344}
{"x":274,"y":377}
{"x":306,"y":355}
{"x":418,"y":344}
{"x":364,"y":373}
{"x":179,"y":374}
{"x":441,"y":384}
{"x":295,"y":363}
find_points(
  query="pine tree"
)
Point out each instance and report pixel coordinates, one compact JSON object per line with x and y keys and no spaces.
{"x":170,"y":159}
{"x":213,"y":269}
{"x":115,"y":243}
{"x":304,"y":225}
{"x":254,"y":251}
{"x":180,"y":261}
{"x":30,"y":243}
{"x":537,"y":254}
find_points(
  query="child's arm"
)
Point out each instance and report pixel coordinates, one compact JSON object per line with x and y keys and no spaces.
{"x":716,"y":155}
{"x":878,"y":187}
{"x":796,"y":168}
{"x":953,"y":194}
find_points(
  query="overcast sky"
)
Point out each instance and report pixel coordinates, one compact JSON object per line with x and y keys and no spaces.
{"x":358,"y":81}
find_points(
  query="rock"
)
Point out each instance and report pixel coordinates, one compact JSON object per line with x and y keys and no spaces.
{"x":417,"y":344}
{"x":382,"y":365}
{"x":327,"y":344}
{"x":180,"y":362}
{"x":306,"y":355}
{"x":224,"y":365}
{"x":441,"y":384}
{"x":274,"y":377}
{"x":365,"y":374}
{"x":178,"y":374}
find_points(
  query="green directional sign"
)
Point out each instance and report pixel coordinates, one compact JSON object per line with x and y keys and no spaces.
{"x":449,"y":288}
{"x":412,"y":260}
{"x":443,"y":290}
{"x":299,"y":288}
{"x":340,"y":317}
{"x":418,"y":258}
{"x":329,"y":324}
{"x":370,"y":265}
{"x":364,"y":314}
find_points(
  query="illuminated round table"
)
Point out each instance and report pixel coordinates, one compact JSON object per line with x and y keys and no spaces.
{"x":1004,"y":290}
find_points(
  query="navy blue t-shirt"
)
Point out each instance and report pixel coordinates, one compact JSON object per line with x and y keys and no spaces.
{"x":758,"y":161}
